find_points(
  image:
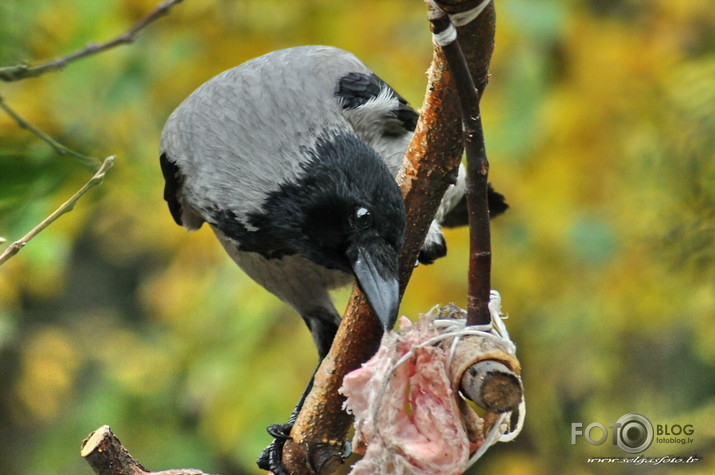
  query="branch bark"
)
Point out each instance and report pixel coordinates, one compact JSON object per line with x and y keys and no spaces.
{"x":429,"y":167}
{"x":492,"y":386}
{"x":480,"y":255}
{"x":107,"y":456}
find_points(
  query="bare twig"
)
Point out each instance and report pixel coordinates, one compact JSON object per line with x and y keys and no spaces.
{"x":66,"y":207}
{"x":88,"y":162}
{"x":490,"y":384}
{"x":480,"y":255}
{"x":24,"y":71}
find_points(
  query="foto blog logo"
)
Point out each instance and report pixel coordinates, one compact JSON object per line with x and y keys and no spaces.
{"x":633,"y":433}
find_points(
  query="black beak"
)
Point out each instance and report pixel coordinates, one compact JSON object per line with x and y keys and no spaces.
{"x":377,"y":277}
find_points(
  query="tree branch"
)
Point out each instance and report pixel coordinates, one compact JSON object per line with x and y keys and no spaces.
{"x":107,"y":456}
{"x":24,"y":71}
{"x":490,"y":384}
{"x":429,"y":167}
{"x":480,"y":255}
{"x":88,"y":162}
{"x":66,"y":207}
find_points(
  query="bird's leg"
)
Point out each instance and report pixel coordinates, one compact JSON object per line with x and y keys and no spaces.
{"x":271,"y":458}
{"x":323,"y":324}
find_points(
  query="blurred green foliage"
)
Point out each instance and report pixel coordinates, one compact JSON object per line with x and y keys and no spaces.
{"x":600,"y":123}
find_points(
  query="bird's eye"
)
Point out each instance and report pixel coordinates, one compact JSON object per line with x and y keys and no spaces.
{"x":362,"y":218}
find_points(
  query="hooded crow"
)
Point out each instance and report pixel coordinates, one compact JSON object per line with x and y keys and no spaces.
{"x":291,"y":159}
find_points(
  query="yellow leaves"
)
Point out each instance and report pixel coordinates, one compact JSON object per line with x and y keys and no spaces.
{"x":695,"y":100}
{"x":53,"y":360}
{"x":55,"y":23}
{"x":139,"y":365}
{"x":47,"y":376}
{"x":9,"y":291}
{"x":512,"y":464}
{"x":179,"y":290}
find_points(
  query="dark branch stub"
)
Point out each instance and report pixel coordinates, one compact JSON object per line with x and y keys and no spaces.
{"x":325,"y":459}
{"x":491,"y":385}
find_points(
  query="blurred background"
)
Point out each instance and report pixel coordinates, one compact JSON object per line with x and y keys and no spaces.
{"x":600,"y":129}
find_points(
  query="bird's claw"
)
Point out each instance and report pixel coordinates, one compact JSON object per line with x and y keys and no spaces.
{"x":280,"y":431}
{"x":271,"y":458}
{"x":347,"y":449}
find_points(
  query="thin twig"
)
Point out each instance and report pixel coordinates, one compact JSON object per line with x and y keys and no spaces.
{"x":480,"y":255}
{"x":66,"y":207}
{"x":24,"y":71}
{"x":88,"y":162}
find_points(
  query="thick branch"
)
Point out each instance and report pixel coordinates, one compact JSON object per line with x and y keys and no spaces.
{"x":433,"y":157}
{"x":430,"y":166}
{"x":24,"y":71}
{"x":107,"y":456}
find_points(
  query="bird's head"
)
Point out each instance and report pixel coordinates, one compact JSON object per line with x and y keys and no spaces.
{"x":345,"y":212}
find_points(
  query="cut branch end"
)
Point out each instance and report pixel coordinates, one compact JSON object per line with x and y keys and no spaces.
{"x":492,"y":386}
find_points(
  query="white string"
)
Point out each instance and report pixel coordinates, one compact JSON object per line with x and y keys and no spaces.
{"x":457,"y":328}
{"x":449,"y":34}
{"x":445,"y":37}
{"x":499,"y":432}
{"x":463,"y":18}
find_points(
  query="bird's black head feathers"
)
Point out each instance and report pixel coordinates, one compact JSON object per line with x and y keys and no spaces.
{"x":343,"y":211}
{"x":345,"y":197}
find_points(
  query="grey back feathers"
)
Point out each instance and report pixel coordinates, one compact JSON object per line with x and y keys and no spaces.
{"x":281,"y":156}
{"x":253,"y":124}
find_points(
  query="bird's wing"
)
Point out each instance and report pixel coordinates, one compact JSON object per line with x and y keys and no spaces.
{"x":378,"y":114}
{"x":358,"y":89}
{"x":457,"y":215}
{"x":382,"y":117}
